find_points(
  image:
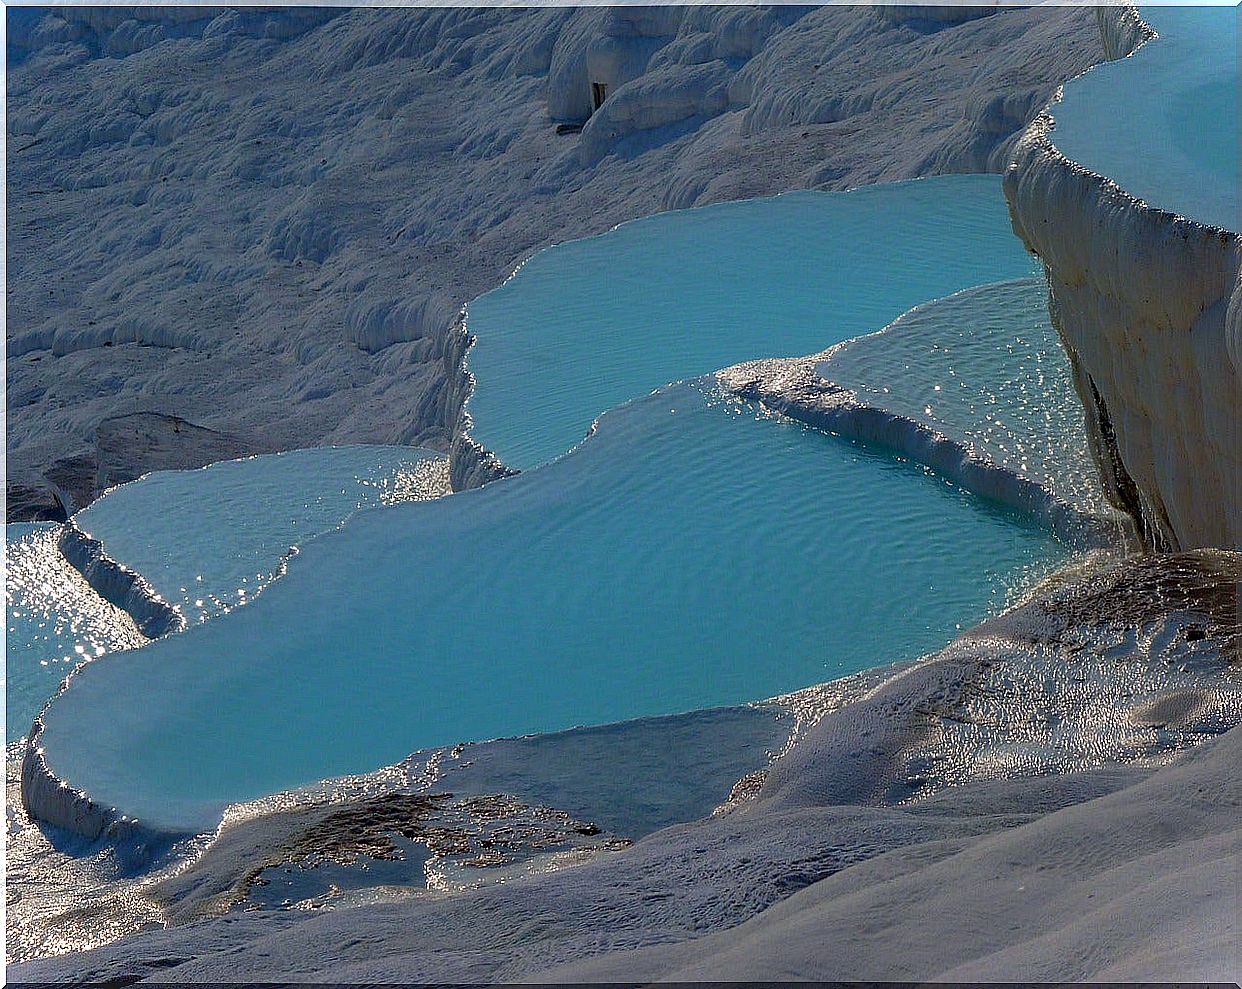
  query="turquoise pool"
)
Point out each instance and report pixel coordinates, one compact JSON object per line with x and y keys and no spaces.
{"x":984,"y":367}
{"x":593,"y":323}
{"x":206,"y":541}
{"x":693,"y":553}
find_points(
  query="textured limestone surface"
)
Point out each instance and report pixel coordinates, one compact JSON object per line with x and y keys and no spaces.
{"x":265,"y":223}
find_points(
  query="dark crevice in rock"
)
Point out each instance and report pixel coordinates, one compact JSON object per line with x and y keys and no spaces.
{"x":33,"y":503}
{"x":1150,"y":520}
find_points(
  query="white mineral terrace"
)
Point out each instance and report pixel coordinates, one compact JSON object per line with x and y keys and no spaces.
{"x":1052,"y":795}
{"x":1141,"y":294}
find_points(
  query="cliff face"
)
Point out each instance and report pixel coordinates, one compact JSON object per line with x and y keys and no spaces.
{"x":1142,"y":301}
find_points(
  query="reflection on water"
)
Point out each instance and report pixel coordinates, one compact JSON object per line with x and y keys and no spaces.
{"x":54,"y":621}
{"x":209,"y":540}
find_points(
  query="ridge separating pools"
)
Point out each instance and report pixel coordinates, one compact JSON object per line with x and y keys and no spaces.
{"x":241,"y":517}
{"x":682,"y":504}
{"x":975,"y":386}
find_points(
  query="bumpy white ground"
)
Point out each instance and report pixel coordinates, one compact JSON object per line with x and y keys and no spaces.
{"x":266,"y":223}
{"x":1018,"y":806}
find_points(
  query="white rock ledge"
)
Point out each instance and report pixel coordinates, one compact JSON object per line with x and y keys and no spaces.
{"x":471,"y":465}
{"x":51,"y":800}
{"x":792,"y":387}
{"x":47,"y":798}
{"x":117,"y":584}
{"x":1139,"y":297}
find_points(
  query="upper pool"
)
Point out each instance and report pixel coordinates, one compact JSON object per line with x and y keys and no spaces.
{"x":1163,"y":123}
{"x":693,"y":552}
{"x":593,"y":323}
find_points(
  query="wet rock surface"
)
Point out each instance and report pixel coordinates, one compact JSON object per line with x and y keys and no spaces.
{"x":392,"y":846}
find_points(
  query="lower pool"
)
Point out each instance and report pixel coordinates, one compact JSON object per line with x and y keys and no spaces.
{"x":695,"y":552}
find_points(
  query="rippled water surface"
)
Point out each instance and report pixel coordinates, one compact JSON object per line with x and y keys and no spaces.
{"x":984,"y":367}
{"x":693,"y":553}
{"x":1163,"y":124}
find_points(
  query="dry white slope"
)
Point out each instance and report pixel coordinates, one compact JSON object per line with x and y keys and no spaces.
{"x":1139,"y":885}
{"x":266,"y":223}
